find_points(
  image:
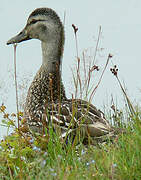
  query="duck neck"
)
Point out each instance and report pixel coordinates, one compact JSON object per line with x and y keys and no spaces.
{"x":51,"y":57}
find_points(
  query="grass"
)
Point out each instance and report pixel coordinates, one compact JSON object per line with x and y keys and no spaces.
{"x":46,"y":157}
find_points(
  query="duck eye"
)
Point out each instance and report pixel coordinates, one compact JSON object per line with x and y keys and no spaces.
{"x":33,"y":21}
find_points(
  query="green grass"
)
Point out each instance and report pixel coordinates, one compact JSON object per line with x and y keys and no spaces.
{"x":47,"y":158}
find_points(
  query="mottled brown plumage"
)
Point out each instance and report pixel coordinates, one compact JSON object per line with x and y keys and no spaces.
{"x":46,"y":102}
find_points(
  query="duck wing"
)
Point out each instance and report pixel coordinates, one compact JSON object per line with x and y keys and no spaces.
{"x":76,"y":115}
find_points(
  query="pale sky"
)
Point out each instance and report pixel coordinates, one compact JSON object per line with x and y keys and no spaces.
{"x":121,"y":36}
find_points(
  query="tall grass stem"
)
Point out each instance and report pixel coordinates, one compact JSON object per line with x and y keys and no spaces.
{"x":16,"y":86}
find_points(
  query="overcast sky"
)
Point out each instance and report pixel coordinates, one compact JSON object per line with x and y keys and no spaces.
{"x":121,"y":36}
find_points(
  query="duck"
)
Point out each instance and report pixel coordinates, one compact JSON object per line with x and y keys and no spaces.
{"x":46,"y":103}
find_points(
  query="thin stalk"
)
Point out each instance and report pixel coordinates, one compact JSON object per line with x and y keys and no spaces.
{"x":94,"y":90}
{"x":97,"y":43}
{"x":64,"y":18}
{"x":115,"y":73}
{"x":127,"y":99}
{"x":78,"y":80}
{"x":16,"y":87}
{"x":84,"y":66}
{"x":93,"y":63}
{"x":78,"y":64}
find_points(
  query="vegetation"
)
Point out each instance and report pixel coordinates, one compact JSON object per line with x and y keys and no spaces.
{"x":46,"y":157}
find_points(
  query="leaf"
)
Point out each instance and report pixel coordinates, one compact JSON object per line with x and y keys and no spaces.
{"x":2,"y":108}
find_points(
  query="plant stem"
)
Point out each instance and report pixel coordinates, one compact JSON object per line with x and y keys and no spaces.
{"x":16,"y":87}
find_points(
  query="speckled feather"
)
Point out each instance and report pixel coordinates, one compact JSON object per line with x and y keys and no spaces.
{"x":45,"y":88}
{"x":67,"y":116}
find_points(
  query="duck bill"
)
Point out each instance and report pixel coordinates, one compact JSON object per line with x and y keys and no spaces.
{"x":22,"y":36}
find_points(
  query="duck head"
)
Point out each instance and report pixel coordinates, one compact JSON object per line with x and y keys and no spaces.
{"x":43,"y":24}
